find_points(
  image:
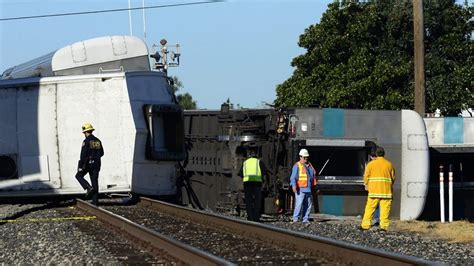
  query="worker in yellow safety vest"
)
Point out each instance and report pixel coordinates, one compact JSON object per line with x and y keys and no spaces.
{"x":253,"y":171}
{"x":303,"y":182}
{"x":379,"y":177}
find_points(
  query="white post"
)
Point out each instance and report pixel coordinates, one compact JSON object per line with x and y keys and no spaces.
{"x":441,"y":192}
{"x":144,"y":19}
{"x":450,"y":192}
{"x":130,"y":18}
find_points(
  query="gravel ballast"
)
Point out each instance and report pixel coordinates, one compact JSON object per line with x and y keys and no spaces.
{"x":37,"y":234}
{"x":28,"y":241}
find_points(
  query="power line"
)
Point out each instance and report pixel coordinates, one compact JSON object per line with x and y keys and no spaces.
{"x":109,"y":10}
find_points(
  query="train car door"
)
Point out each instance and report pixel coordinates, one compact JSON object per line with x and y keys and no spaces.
{"x":37,"y":131}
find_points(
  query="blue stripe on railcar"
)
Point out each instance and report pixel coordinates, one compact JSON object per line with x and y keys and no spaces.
{"x":332,"y":204}
{"x":453,"y":130}
{"x":333,"y":126}
{"x":333,"y":122}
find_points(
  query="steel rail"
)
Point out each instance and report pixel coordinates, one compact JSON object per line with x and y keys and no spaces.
{"x":179,"y":250}
{"x":334,"y":250}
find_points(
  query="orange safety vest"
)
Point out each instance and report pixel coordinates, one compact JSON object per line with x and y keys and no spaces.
{"x":303,"y":175}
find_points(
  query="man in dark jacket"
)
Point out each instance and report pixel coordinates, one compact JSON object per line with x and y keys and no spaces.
{"x":253,"y":173}
{"x":89,"y":162}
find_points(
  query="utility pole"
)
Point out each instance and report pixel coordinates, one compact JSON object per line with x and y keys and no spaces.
{"x":419,"y":56}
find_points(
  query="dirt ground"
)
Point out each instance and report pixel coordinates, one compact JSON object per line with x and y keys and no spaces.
{"x":457,"y":231}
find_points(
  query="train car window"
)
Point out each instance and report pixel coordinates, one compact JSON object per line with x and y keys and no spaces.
{"x":461,"y":161}
{"x":340,"y":161}
{"x":341,"y":167}
{"x":166,"y":132}
{"x":8,"y":168}
{"x":159,"y":132}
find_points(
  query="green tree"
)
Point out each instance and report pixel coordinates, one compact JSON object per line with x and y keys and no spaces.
{"x":232,"y":106}
{"x":176,"y":84}
{"x":360,"y":55}
{"x":184,"y":100}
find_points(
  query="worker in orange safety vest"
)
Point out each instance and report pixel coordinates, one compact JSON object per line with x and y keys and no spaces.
{"x":303,"y":181}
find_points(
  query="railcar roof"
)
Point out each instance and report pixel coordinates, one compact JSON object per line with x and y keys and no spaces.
{"x":8,"y":83}
{"x":84,"y":53}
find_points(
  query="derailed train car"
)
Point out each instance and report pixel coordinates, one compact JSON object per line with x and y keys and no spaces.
{"x":451,"y":145}
{"x":339,"y":142}
{"x":108,"y":82}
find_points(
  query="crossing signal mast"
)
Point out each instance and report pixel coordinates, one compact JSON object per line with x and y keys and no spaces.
{"x":161,"y":56}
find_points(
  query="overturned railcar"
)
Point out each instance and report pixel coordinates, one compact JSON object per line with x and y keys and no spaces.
{"x":108,"y":82}
{"x":451,"y":145}
{"x":339,"y":142}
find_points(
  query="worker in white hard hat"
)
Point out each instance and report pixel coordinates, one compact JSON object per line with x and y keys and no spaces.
{"x":303,"y":181}
{"x":91,"y":152}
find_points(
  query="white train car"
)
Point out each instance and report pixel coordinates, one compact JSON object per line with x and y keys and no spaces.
{"x":108,"y":82}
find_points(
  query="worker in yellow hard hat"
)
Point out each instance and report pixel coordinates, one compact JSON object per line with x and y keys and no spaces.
{"x":89,"y":162}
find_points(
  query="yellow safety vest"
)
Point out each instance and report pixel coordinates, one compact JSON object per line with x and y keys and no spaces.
{"x":251,"y":170}
{"x":303,"y":175}
{"x":379,"y":176}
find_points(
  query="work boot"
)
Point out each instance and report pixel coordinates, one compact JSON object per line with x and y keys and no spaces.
{"x":89,"y":193}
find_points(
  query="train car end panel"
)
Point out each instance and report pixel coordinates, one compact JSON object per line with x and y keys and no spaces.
{"x":415,"y":166}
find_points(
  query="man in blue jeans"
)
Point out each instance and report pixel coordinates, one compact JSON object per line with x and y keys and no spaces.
{"x":303,"y":181}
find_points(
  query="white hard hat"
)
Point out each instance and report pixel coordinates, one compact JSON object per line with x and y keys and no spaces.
{"x":304,"y":153}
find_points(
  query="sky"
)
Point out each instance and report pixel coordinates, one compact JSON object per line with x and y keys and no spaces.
{"x":237,"y":49}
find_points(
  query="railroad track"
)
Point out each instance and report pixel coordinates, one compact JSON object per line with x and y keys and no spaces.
{"x":181,"y":252}
{"x":307,"y":249}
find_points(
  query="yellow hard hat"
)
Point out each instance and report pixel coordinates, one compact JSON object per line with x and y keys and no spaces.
{"x":87,"y":127}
